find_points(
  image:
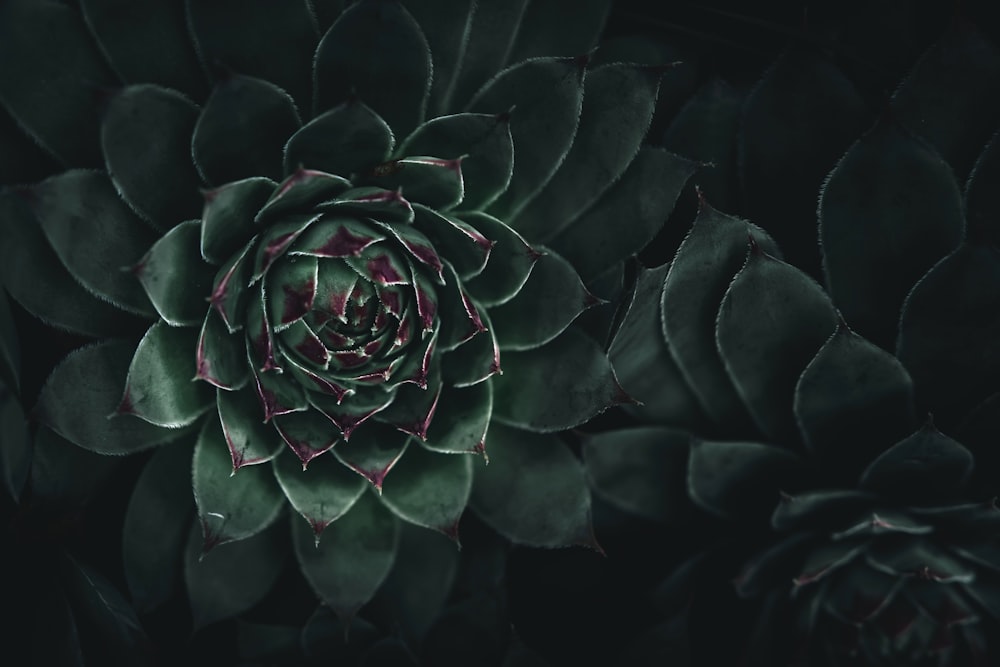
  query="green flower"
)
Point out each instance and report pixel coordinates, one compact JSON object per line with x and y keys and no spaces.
{"x":357,"y":242}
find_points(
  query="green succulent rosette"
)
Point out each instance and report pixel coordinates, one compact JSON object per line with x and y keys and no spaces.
{"x":334,"y":256}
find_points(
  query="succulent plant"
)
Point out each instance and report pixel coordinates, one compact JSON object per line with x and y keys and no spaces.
{"x":781,"y":433}
{"x":335,"y":273}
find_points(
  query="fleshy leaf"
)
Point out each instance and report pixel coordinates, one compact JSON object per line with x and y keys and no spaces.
{"x":10,"y":348}
{"x":336,"y":236}
{"x":891,"y":201}
{"x":230,"y":34}
{"x":772,"y":321}
{"x":326,"y":636}
{"x":95,"y":235}
{"x":949,"y":331}
{"x":145,"y":136}
{"x":51,"y":616}
{"x":645,"y":195}
{"x":278,"y":393}
{"x":249,"y":439}
{"x":373,"y":451}
{"x":482,"y":141}
{"x":546,"y":95}
{"x":618,"y":104}
{"x":474,"y":361}
{"x":221,"y":357}
{"x":64,"y":475}
{"x":231,"y":506}
{"x":15,"y":455}
{"x":175,"y":277}
{"x":301,"y":192}
{"x":275,"y":241}
{"x":430,"y":489}
{"x":982,"y":208}
{"x":290,"y":290}
{"x":462,"y":419}
{"x":711,"y":254}
{"x":229,"y":293}
{"x":377,"y":52}
{"x":735,"y":478}
{"x":156,"y":526}
{"x":61,"y":115}
{"x":418,"y":246}
{"x":353,"y":556}
{"x":428,"y":180}
{"x":533,"y":492}
{"x":161,"y":387}
{"x":509,"y":264}
{"x":550,"y":300}
{"x":241,"y":107}
{"x":545,"y":32}
{"x":557,"y":386}
{"x":852,"y":400}
{"x":323,"y":493}
{"x":465,"y":247}
{"x":228,"y":216}
{"x":308,"y":434}
{"x":808,"y":509}
{"x":344,"y":140}
{"x":642,"y":470}
{"x":233,"y":578}
{"x":84,"y":390}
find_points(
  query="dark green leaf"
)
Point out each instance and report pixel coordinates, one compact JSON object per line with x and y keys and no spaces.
{"x":15,"y":454}
{"x":250,"y":440}
{"x":466,"y":248}
{"x":175,"y":277}
{"x":308,"y":434}
{"x":156,"y":527}
{"x":533,"y":492}
{"x":22,"y":160}
{"x":645,"y":195}
{"x":377,"y":52}
{"x":242,"y":130}
{"x":267,"y":642}
{"x":232,"y":578}
{"x":772,"y":321}
{"x":618,"y":104}
{"x":509,"y":264}
{"x":475,"y":360}
{"x":353,"y":557}
{"x":345,"y":140}
{"x":228,"y":217}
{"x":544,"y":30}
{"x":461,"y":420}
{"x":83,"y":392}
{"x":221,"y":356}
{"x":373,"y":451}
{"x":557,"y":386}
{"x":290,"y":290}
{"x":427,"y":180}
{"x":52,"y":617}
{"x":146,"y":139}
{"x":642,"y":470}
{"x":274,"y":42}
{"x":64,"y":476}
{"x":446,"y":24}
{"x":813,"y":508}
{"x":982,"y":208}
{"x":550,"y":300}
{"x":949,"y":333}
{"x":161,"y":387}
{"x":323,"y":493}
{"x":326,"y":12}
{"x":712,"y":253}
{"x":10,"y":349}
{"x":327,"y":637}
{"x":232,"y":505}
{"x":96,"y":236}
{"x":736,"y":478}
{"x":302,"y":191}
{"x":430,"y":489}
{"x":890,"y":202}
{"x":129,"y":32}
{"x":544,"y":97}
{"x":49,"y":41}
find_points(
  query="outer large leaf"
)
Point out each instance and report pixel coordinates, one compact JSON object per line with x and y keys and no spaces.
{"x":51,"y":93}
{"x":509,"y":265}
{"x":231,"y":506}
{"x":377,"y":52}
{"x":733,"y":478}
{"x":446,"y":24}
{"x":250,"y":440}
{"x":543,"y":30}
{"x":323,"y":493}
{"x":84,"y":390}
{"x":174,"y":276}
{"x":10,"y":348}
{"x":156,"y":526}
{"x":982,"y":206}
{"x":344,"y":140}
{"x":557,"y":386}
{"x":15,"y":445}
{"x":353,"y":558}
{"x":228,"y":217}
{"x":64,"y":477}
{"x":461,"y":419}
{"x":430,"y":489}
{"x":890,"y":202}
{"x":145,"y":136}
{"x":533,"y":491}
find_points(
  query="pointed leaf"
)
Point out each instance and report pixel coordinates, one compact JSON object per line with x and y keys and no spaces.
{"x":241,"y":107}
{"x":84,"y":390}
{"x":482,"y":141}
{"x":891,"y":201}
{"x":377,"y":52}
{"x":474,"y":361}
{"x":145,"y":136}
{"x":221,"y":356}
{"x":64,"y":475}
{"x":278,"y":393}
{"x":544,"y":96}
{"x":230,"y":33}
{"x":230,"y":295}
{"x":645,"y":195}
{"x":446,"y":25}
{"x":161,"y":387}
{"x":642,"y":470}
{"x":327,"y":637}
{"x":551,"y":299}
{"x":275,"y":241}
{"x":228,"y":216}
{"x":323,"y":493}
{"x":61,"y":115}
{"x":175,"y":277}
{"x":557,"y":386}
{"x":806,"y":509}
{"x":981,"y":206}
{"x":772,"y":321}
{"x":373,"y":451}
{"x":543,"y":32}
{"x":852,"y":400}
{"x":232,"y":578}
{"x":96,"y":236}
{"x":533,"y":492}
{"x":712,"y":253}
{"x":429,"y":489}
{"x":290,"y":289}
{"x":308,"y":434}
{"x":15,"y":454}
{"x":345,"y":140}
{"x":432,"y":181}
{"x":353,"y":557}
{"x":737,"y":478}
{"x":462,"y":419}
{"x":371,"y":202}
{"x":250,"y":441}
{"x":464,"y":246}
{"x":618,"y":104}
{"x":156,"y":527}
{"x":509,"y":264}
{"x":231,"y":505}
{"x":301,"y":192}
